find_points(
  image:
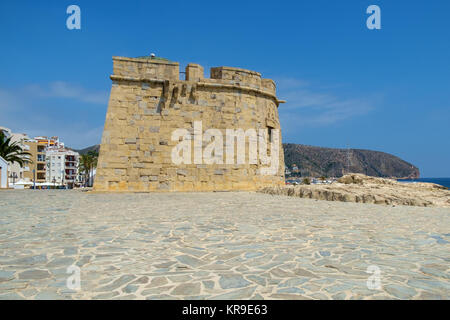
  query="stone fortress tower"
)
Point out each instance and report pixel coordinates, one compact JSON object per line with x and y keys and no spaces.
{"x":148,"y":102}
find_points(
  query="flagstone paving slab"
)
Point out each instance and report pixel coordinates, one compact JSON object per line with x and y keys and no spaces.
{"x":234,"y":245}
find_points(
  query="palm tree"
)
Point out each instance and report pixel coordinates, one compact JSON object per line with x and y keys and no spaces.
{"x":94,"y":159}
{"x":84,"y":167}
{"x":13,"y":152}
{"x":87,"y":164}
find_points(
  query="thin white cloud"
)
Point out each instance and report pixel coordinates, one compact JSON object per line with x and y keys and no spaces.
{"x":317,"y":106}
{"x":21,"y":111}
{"x":289,"y":83}
{"x":9,"y":100}
{"x":62,"y":89}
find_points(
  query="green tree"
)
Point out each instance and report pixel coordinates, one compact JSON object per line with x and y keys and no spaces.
{"x":13,"y":152}
{"x":88,"y":162}
{"x":84,"y":167}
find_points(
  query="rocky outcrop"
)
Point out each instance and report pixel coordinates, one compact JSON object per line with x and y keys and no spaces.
{"x":364,"y":189}
{"x":317,"y":161}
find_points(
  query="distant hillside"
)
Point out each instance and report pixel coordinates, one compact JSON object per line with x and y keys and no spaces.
{"x":318,"y":161}
{"x":95,"y":148}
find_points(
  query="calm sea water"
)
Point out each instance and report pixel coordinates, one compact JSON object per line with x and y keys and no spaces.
{"x":442,"y":181}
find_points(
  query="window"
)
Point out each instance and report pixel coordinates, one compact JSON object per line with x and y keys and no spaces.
{"x":270,"y":133}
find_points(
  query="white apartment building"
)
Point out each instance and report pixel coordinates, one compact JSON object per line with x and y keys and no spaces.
{"x":61,"y":166}
{"x":51,"y":161}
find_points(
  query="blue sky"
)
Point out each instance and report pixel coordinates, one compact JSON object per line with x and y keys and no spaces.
{"x":386,"y":90}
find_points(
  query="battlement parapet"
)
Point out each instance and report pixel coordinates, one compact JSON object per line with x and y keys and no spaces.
{"x":152,"y":70}
{"x":146,"y":68}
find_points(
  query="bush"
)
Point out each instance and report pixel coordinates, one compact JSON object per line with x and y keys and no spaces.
{"x":306,"y":181}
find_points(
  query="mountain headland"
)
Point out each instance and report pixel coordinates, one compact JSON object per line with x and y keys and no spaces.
{"x":314,"y":161}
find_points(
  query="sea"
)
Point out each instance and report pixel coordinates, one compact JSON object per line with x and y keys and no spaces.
{"x":442,"y":181}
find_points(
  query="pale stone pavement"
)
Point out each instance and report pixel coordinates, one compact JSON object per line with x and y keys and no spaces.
{"x":218,"y":246}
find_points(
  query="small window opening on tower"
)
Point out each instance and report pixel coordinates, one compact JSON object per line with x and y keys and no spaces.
{"x":270,"y":133}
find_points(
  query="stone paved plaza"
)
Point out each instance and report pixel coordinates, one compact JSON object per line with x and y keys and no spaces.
{"x":218,"y":246}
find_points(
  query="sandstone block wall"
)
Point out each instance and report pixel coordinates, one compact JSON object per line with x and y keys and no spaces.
{"x":148,"y":102}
